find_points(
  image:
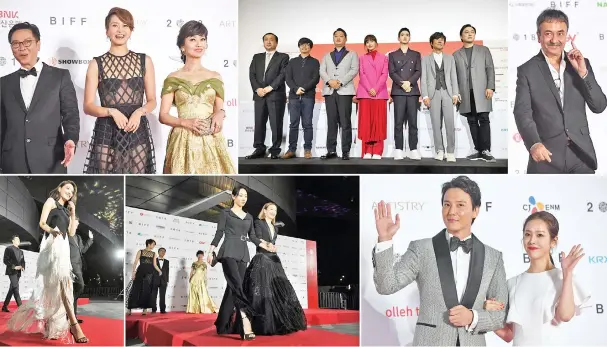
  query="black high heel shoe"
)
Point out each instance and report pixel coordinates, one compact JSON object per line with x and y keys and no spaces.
{"x":244,"y":336}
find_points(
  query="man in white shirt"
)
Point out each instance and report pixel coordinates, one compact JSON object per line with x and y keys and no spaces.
{"x":454,"y":270}
{"x":161,"y":281}
{"x":40,"y":121}
{"x":552,"y":91}
{"x":440,"y":92}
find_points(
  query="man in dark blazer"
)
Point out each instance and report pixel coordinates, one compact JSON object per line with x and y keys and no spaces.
{"x":267,"y":77}
{"x":405,"y":67}
{"x":552,"y":92}
{"x":15,"y":263}
{"x":161,"y":281}
{"x":40,"y":121}
{"x":77,"y":250}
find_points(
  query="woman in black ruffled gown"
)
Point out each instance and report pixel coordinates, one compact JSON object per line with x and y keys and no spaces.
{"x":266,"y":285}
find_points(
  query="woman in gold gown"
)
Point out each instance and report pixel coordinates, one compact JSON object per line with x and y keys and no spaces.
{"x":199,"y":300}
{"x":196,"y":144}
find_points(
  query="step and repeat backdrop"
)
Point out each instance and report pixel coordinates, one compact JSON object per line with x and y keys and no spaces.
{"x":410,"y":14}
{"x":183,"y":237}
{"x":579,"y":204}
{"x":73,"y":32}
{"x":27,"y":280}
{"x":523,"y":45}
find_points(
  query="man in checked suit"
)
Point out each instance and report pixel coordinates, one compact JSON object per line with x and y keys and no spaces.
{"x":552,"y":91}
{"x":455,"y":272}
{"x":267,"y":77}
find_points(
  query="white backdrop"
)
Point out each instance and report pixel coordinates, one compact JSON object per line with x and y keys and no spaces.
{"x":488,"y":16}
{"x":183,"y":237}
{"x":579,"y":205}
{"x":589,"y":39}
{"x":73,"y":32}
{"x":26,"y":283}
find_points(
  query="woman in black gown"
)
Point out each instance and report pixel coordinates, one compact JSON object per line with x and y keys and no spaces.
{"x":122,"y":141}
{"x":266,"y":285}
{"x":235,"y":226}
{"x":140,"y":293}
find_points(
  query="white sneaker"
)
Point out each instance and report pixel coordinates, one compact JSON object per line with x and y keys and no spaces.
{"x":376,"y":156}
{"x":440,"y":155}
{"x":367,"y":156}
{"x":398,"y":154}
{"x":450,"y":157}
{"x":414,"y":155}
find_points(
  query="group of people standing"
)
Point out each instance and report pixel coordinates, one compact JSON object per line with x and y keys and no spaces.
{"x":259,"y":299}
{"x":122,"y":141}
{"x":52,"y":308}
{"x":465,"y":80}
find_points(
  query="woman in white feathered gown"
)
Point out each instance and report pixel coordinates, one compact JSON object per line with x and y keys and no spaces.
{"x":49,"y":310}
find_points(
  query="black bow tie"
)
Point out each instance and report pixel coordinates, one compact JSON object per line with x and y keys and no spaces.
{"x":465,"y":245}
{"x":24,"y":73}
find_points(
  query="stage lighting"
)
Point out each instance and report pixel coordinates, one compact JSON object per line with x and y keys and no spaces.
{"x":120,"y":254}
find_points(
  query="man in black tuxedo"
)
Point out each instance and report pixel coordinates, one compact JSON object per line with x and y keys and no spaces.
{"x":15,"y":263}
{"x":267,"y":77}
{"x":161,"y":281}
{"x":40,"y":121}
{"x":77,"y":249}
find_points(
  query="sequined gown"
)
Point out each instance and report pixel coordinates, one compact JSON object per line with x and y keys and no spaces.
{"x":111,"y":150}
{"x":187,"y":152}
{"x":199,"y":300}
{"x":44,"y":312}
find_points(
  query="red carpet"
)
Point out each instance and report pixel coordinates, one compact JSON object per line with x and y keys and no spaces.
{"x":182,"y":329}
{"x":100,"y":332}
{"x":81,"y":301}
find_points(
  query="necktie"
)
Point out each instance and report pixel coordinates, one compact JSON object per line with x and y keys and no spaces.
{"x":455,"y":243}
{"x":24,"y":73}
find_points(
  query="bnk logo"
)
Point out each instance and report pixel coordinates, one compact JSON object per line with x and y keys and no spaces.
{"x":536,"y":206}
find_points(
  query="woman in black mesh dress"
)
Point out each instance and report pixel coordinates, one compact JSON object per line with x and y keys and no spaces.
{"x":121,"y":142}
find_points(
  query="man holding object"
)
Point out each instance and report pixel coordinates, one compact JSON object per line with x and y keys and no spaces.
{"x":552,"y":91}
{"x":454,"y":271}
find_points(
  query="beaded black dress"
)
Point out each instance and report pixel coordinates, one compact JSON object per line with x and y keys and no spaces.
{"x":115,"y":151}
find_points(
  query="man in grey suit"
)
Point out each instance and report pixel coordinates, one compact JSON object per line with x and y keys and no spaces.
{"x":440,"y":92}
{"x":455,"y":272}
{"x":476,"y":81}
{"x":40,"y":121}
{"x":552,"y":91}
{"x":337,"y":70}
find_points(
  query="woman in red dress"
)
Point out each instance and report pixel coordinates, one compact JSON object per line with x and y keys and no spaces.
{"x":372,"y":95}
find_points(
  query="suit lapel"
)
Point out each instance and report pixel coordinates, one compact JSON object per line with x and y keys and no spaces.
{"x":41,"y":86}
{"x":475,"y":273}
{"x":543,"y":65}
{"x":432,"y":64}
{"x":475,"y":53}
{"x":445,"y":269}
{"x":333,"y":58}
{"x":272,"y":61}
{"x":16,"y":87}
{"x":569,"y":76}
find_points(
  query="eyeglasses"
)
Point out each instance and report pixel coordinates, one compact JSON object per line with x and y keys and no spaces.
{"x":26,"y":43}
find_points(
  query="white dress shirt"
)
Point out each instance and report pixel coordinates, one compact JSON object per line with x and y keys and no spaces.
{"x":438,"y":58}
{"x":558,"y":76}
{"x":269,"y":56}
{"x":161,"y":261}
{"x":461,"y":267}
{"x":28,"y":84}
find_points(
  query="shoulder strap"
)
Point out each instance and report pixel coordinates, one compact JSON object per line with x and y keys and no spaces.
{"x":142,"y":60}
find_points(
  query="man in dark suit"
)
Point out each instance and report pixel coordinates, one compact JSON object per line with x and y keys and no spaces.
{"x":267,"y":77}
{"x":40,"y":121}
{"x":77,"y":249}
{"x":405,"y":67}
{"x":552,"y":91}
{"x":161,"y":281}
{"x":15,"y":263}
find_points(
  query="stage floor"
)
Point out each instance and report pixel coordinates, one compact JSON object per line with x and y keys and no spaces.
{"x":102,"y":324}
{"x":183,"y":329}
{"x":368,"y":166}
